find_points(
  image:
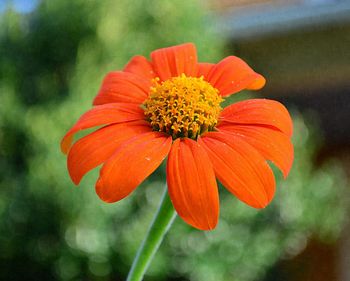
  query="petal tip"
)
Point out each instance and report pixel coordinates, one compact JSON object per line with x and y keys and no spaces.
{"x":75,"y":178}
{"x":258,"y":83}
{"x":100,"y":192}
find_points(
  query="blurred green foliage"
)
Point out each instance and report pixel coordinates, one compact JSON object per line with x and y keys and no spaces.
{"x":51,"y":64}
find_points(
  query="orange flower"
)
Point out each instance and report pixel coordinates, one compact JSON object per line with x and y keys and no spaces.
{"x":170,"y":106}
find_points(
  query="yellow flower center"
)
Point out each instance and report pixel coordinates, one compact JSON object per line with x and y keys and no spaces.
{"x":183,"y":106}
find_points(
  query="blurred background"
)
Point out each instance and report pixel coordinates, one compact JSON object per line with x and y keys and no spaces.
{"x":53,"y":56}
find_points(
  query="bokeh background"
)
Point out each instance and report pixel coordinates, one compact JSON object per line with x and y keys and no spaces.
{"x":53,"y":56}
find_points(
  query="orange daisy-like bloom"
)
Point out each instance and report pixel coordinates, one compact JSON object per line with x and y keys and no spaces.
{"x":170,"y":106}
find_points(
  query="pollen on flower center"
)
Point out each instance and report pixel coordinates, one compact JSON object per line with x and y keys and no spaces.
{"x":183,"y":106}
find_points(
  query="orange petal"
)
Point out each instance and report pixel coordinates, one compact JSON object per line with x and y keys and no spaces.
{"x":141,"y":66}
{"x":204,"y":69}
{"x":257,"y":84}
{"x":119,"y":86}
{"x":272,"y":144}
{"x":102,"y":115}
{"x":174,"y":61}
{"x":232,"y":75}
{"x":192,"y":185}
{"x":240,"y":168}
{"x":132,"y":162}
{"x":259,"y":112}
{"x":95,"y":148}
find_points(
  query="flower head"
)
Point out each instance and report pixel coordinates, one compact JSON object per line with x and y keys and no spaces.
{"x":171,"y":106}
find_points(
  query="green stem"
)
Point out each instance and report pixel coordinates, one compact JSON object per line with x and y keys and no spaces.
{"x":162,"y":221}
